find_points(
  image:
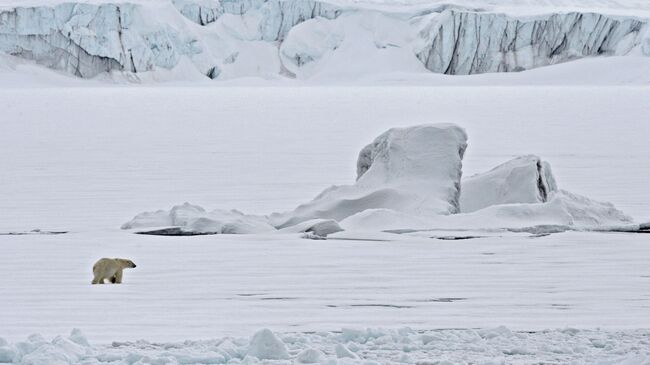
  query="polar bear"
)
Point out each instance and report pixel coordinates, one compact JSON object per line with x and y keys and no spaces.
{"x":111,"y":269}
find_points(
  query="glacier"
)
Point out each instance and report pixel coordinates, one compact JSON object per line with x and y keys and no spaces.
{"x":469,"y":43}
{"x":88,"y":39}
{"x":304,"y":39}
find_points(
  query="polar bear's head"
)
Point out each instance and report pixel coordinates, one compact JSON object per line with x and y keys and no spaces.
{"x":125,"y":263}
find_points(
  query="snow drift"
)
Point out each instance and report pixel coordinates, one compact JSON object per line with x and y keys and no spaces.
{"x":410,"y":178}
{"x":305,"y":38}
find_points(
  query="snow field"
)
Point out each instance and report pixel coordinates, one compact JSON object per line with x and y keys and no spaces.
{"x":207,"y":287}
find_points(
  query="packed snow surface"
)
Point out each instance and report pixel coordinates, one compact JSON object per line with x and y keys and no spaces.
{"x":206,"y":287}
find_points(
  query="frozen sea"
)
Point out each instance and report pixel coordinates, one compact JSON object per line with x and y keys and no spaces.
{"x":86,"y":160}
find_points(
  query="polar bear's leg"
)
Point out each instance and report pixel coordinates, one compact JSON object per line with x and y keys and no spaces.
{"x":118,"y":277}
{"x":97,"y":278}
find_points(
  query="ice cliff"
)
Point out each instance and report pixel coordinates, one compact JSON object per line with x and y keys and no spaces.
{"x":469,"y":43}
{"x":89,"y":39}
{"x":274,"y":18}
{"x":304,"y":38}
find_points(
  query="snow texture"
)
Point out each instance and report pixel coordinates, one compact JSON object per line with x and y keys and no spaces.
{"x":305,"y":39}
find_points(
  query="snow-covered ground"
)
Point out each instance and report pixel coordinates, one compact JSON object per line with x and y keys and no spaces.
{"x":207,"y":287}
{"x":210,"y":286}
{"x":87,"y":157}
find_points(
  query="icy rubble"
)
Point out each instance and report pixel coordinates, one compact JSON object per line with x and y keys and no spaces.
{"x":349,"y":346}
{"x":304,"y":38}
{"x":410,"y":178}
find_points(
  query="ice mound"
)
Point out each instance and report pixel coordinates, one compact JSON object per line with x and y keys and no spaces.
{"x":525,"y":179}
{"x":309,"y":356}
{"x":414,"y":170}
{"x":562,"y":211}
{"x":410,"y":179}
{"x":518,"y":194}
{"x":266,"y":346}
{"x":194,"y":219}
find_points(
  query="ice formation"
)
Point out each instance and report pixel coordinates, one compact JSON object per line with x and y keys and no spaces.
{"x":414,"y":170}
{"x":305,"y":38}
{"x":468,"y":43}
{"x":194,"y":219}
{"x":265,"y":345}
{"x":88,"y":39}
{"x":410,"y":178}
{"x":526,"y":179}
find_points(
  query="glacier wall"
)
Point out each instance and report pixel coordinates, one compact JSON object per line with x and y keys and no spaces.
{"x":275,"y":17}
{"x":469,"y":43}
{"x":87,"y":39}
{"x":304,"y":38}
